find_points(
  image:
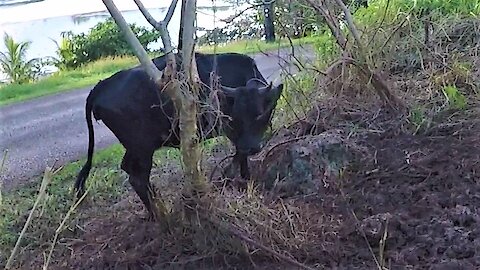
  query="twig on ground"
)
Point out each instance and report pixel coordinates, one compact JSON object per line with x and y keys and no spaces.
{"x":282,"y":143}
{"x":357,"y":223}
{"x":218,"y":164}
{"x":60,"y":229}
{"x":47,"y":177}
{"x":234,"y":231}
{"x":1,"y":171}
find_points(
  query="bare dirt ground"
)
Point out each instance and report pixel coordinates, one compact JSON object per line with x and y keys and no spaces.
{"x":406,"y":202}
{"x":406,"y":196}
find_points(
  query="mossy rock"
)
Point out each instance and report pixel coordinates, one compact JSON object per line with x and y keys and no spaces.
{"x":302,"y":166}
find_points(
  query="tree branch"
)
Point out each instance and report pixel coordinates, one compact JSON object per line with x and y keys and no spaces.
{"x":156,"y":24}
{"x":147,"y":14}
{"x":331,"y":23}
{"x":161,"y":26}
{"x":170,"y":11}
{"x":351,"y":24}
{"x":252,"y":6}
{"x":189,"y":13}
{"x":141,"y":54}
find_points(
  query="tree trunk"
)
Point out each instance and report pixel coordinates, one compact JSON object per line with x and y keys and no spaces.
{"x":182,"y":23}
{"x":183,"y":98}
{"x":269,"y":13}
{"x":191,"y":151}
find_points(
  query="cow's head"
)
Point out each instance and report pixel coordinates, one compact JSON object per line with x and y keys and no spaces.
{"x":250,"y":109}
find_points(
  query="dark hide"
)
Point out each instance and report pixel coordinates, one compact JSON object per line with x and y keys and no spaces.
{"x":128,"y":104}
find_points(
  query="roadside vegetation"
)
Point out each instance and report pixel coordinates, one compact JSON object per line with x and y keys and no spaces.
{"x":89,"y":74}
{"x":368,"y":184}
{"x":81,"y":63}
{"x":14,"y":64}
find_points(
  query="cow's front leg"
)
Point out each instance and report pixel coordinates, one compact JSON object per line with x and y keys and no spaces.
{"x":239,"y":162}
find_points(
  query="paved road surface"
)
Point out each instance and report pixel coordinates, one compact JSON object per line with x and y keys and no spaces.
{"x":39,"y":132}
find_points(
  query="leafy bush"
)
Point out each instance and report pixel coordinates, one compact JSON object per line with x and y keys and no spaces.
{"x":442,"y":7}
{"x":377,"y":9}
{"x":104,"y":39}
{"x":14,"y":64}
{"x":325,"y":47}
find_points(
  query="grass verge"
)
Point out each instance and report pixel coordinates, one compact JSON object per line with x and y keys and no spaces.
{"x":65,"y":80}
{"x":106,"y":183}
{"x":91,"y":73}
{"x":18,"y":202}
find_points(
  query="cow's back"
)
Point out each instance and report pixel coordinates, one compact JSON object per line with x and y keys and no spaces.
{"x":234,"y":69}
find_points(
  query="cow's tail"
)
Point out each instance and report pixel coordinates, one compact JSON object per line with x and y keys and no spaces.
{"x":83,"y":175}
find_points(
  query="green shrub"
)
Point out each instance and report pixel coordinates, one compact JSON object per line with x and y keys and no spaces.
{"x":103,"y":40}
{"x":443,"y":7}
{"x":325,"y":47}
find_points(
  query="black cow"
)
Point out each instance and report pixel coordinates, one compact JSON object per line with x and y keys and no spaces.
{"x":128,"y":104}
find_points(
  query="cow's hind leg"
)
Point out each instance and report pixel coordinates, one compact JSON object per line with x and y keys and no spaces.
{"x":138,"y":166}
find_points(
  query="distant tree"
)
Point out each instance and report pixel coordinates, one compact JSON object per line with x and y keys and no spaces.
{"x":14,"y":63}
{"x":266,"y":10}
{"x":269,"y":18}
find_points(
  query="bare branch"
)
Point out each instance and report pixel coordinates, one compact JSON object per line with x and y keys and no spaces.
{"x":147,"y":14}
{"x":167,"y":41}
{"x":320,"y":7}
{"x":157,"y":24}
{"x":189,"y":8}
{"x":141,"y":54}
{"x":380,"y":24}
{"x":252,"y":6}
{"x":234,"y":16}
{"x":170,"y":11}
{"x":350,"y":24}
{"x":161,"y":26}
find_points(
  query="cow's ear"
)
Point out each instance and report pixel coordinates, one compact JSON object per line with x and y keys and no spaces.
{"x":274,"y":94}
{"x":254,"y":82}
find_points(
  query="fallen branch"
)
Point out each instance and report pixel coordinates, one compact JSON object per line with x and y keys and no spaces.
{"x":218,"y":164}
{"x":47,"y":177}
